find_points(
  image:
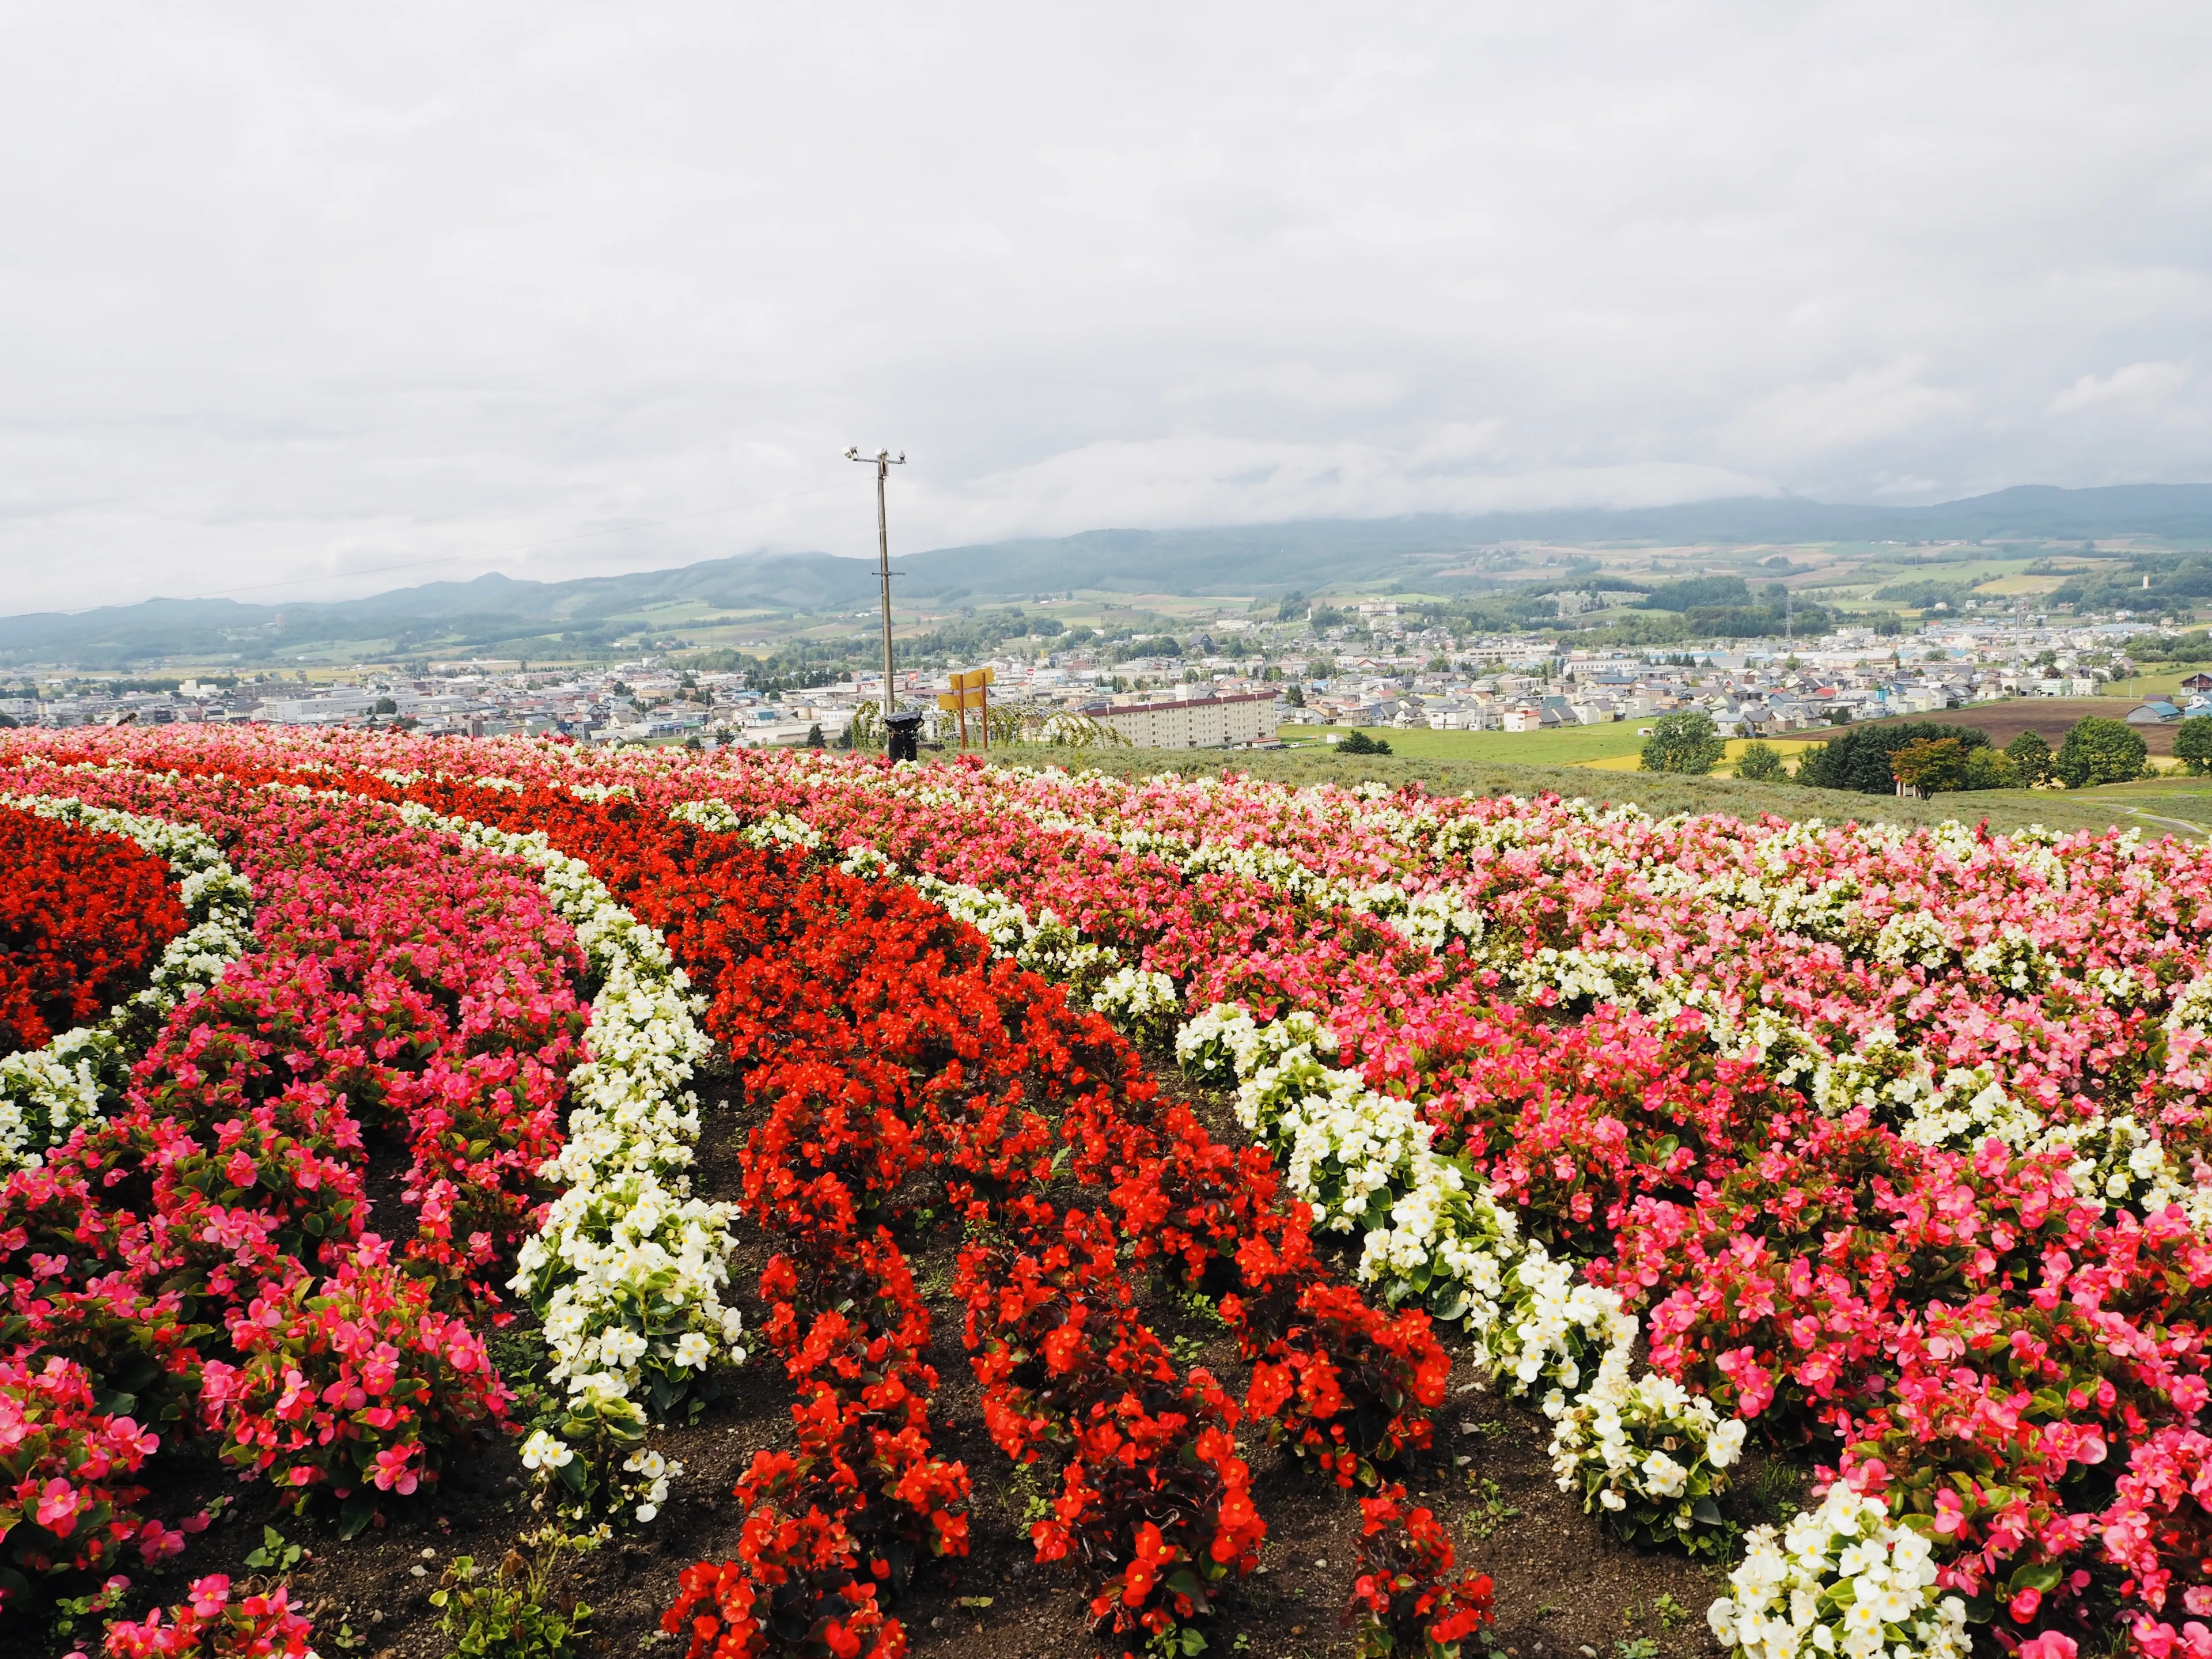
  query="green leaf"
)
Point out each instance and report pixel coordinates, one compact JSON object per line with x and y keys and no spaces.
{"x":2036,"y":1575}
{"x":355,"y":1514}
{"x":1707,"y":1511}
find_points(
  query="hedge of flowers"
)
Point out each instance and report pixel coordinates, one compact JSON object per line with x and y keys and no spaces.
{"x":915,"y":1089}
{"x":203,"y":1254}
{"x":904,"y":1067}
{"x":1891,"y":1143}
{"x":1887,"y":1148}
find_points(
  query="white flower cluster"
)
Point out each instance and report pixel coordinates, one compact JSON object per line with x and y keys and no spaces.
{"x":773,"y":830}
{"x":1839,"y":1580}
{"x":46,"y":1092}
{"x":865,"y":861}
{"x":627,"y":1271}
{"x":653,"y":1473}
{"x":1430,"y":1231}
{"x":1139,"y":1001}
{"x":1552,"y":1320}
{"x":1649,"y":1452}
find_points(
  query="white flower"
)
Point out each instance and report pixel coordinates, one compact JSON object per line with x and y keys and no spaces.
{"x":692,"y":1350}
{"x":543,"y":1451}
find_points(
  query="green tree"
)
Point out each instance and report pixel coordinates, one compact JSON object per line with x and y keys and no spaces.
{"x":1857,"y":757}
{"x":1358,"y":743}
{"x":2100,"y":750}
{"x":1295,"y":696}
{"x":2031,"y":758}
{"x":1990,"y":768}
{"x":2192,"y":743}
{"x":1931,"y":765}
{"x":1688,"y":742}
{"x":1761,"y":763}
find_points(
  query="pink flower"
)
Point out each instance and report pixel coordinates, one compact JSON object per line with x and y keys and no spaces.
{"x":393,"y":1470}
{"x":208,"y":1594}
{"x":58,"y":1503}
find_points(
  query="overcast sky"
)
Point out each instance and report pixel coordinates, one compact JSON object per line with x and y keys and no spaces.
{"x":295,"y":293}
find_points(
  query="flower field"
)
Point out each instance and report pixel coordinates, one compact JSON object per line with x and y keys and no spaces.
{"x":378,"y":1111}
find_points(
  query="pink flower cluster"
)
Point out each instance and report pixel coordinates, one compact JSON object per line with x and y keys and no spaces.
{"x":207,"y":1251}
{"x":67,"y":1499}
{"x":208,"y":1624}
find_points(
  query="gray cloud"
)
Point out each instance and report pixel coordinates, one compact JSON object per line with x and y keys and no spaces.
{"x":287,"y":293}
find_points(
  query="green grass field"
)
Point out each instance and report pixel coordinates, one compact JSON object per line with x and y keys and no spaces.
{"x":1571,"y":746}
{"x":2175,"y":805}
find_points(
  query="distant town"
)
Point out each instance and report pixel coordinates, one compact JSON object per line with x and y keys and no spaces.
{"x":1233,"y":681}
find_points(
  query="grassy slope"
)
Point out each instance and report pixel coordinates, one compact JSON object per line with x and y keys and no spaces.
{"x":1568,"y":747}
{"x":2182,"y":805}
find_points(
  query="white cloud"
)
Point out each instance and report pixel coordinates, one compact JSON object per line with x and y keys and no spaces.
{"x":2137,"y":384}
{"x":283,"y":298}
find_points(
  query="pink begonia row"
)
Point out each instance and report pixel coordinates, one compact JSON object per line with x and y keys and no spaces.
{"x":1998,"y":1333}
{"x":213,"y":1241}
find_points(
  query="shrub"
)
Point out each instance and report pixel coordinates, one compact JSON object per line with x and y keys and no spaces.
{"x":1405,"y":1603}
{"x":65,"y":1499}
{"x":210,"y":1625}
{"x":2031,"y":758}
{"x":1992,"y":768}
{"x":356,"y":1385}
{"x":795,"y":1589}
{"x":1761,"y":763}
{"x":1686,"y":742}
{"x":1358,"y":743}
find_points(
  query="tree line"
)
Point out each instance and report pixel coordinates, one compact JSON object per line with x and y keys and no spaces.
{"x":1928,"y":757}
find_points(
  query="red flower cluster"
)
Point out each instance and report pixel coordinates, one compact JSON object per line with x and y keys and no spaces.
{"x":83,"y":915}
{"x":1404,"y":1600}
{"x":1155,"y":1504}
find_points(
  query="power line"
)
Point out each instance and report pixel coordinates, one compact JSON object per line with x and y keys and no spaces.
{"x":508,"y":552}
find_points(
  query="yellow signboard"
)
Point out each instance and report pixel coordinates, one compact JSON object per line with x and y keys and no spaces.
{"x":969,"y":690}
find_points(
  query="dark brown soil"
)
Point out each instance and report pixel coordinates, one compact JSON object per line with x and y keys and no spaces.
{"x":2051,"y":718}
{"x":1565,"y":1590}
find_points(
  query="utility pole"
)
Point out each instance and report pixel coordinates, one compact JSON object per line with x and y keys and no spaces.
{"x":882,"y":461}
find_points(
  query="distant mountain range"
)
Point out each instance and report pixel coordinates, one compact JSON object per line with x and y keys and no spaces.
{"x":513,"y":617}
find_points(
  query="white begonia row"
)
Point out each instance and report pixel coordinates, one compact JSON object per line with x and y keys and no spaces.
{"x":1647,"y":1448}
{"x":46,"y":1092}
{"x":1839,"y":1580}
{"x":627,"y":1271}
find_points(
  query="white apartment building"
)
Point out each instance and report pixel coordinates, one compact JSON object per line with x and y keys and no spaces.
{"x":342,"y":703}
{"x":1205,"y":722}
